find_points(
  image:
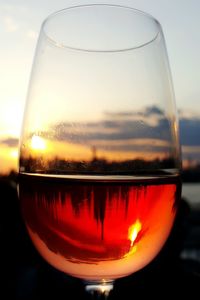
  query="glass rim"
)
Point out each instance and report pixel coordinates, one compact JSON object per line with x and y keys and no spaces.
{"x":80,"y":6}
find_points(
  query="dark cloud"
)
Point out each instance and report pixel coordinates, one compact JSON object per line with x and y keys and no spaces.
{"x":149,"y":123}
{"x":123,"y":114}
{"x":153,"y":110}
{"x":125,"y":130}
{"x":115,"y":129}
{"x":146,"y":131}
{"x":190,"y":131}
{"x":147,"y":111}
{"x":10,"y":142}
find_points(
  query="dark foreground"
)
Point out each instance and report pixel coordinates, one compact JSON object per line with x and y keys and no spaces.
{"x":25,"y":275}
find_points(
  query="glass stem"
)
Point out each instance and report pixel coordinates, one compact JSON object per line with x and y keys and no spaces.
{"x":99,"y":289}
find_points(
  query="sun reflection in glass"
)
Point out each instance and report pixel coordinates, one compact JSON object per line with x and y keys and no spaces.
{"x":38,"y":143}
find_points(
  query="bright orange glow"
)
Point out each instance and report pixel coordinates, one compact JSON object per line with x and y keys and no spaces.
{"x":14,"y":153}
{"x":133,"y":231}
{"x":78,"y":152}
{"x":38,"y":143}
{"x":109,"y":228}
{"x":9,"y":159}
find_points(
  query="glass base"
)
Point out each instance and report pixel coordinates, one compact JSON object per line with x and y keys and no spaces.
{"x":99,"y":289}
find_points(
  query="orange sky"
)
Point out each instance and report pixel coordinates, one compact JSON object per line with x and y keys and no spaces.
{"x":20,"y":23}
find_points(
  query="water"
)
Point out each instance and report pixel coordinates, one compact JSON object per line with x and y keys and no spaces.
{"x":191,"y":251}
{"x":191,"y":192}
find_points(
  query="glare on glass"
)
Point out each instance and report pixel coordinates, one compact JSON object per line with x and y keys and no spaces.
{"x":99,"y":151}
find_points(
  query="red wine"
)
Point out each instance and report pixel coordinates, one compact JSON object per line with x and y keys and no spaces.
{"x":96,"y":229}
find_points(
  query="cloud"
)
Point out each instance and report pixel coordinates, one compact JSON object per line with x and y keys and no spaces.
{"x":115,"y":127}
{"x":32,"y":34}
{"x":13,"y":8}
{"x":152,"y":110}
{"x":190,"y":131}
{"x":10,"y":142}
{"x":122,"y":132}
{"x":10,"y":24}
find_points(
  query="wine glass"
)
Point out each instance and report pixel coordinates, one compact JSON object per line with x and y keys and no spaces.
{"x":99,"y":169}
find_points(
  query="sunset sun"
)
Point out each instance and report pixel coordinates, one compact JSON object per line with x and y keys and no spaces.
{"x":38,"y":143}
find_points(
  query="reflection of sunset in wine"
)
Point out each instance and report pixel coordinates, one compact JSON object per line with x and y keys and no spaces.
{"x":98,"y":223}
{"x":133,"y":231}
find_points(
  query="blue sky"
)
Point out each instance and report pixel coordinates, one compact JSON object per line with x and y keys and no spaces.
{"x":20,"y":22}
